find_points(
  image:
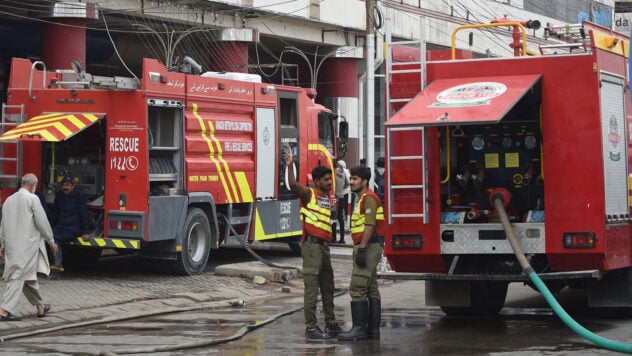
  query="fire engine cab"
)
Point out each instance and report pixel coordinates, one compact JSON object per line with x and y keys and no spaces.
{"x":551,"y":134}
{"x":173,"y":164}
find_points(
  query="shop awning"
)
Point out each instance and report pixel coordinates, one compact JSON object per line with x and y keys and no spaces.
{"x":53,"y":127}
{"x":464,"y":100}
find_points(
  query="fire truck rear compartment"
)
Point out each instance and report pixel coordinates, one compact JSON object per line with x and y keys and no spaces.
{"x":504,"y":154}
{"x":484,"y":156}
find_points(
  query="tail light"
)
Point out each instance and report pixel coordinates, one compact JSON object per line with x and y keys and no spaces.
{"x":579,"y":240}
{"x":407,"y":241}
{"x":124,"y":225}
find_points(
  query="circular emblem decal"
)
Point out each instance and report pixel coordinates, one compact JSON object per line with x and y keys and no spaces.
{"x":266,"y":136}
{"x":470,"y":94}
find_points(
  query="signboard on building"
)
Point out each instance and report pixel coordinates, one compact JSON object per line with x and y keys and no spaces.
{"x":623,"y":16}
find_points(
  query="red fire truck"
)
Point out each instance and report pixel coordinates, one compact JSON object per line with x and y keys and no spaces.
{"x":173,"y":164}
{"x":550,"y":134}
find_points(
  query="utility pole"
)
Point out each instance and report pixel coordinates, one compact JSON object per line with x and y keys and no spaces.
{"x":370,"y":89}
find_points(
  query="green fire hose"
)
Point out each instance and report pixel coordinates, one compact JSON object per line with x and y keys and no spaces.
{"x":548,"y":296}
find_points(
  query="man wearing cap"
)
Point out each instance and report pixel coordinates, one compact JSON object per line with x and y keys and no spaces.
{"x":69,"y":218}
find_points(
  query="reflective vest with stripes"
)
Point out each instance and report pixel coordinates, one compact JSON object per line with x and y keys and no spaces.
{"x":357,"y":219}
{"x":316,"y":215}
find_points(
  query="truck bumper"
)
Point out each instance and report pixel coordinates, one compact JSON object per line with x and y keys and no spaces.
{"x":100,"y":242}
{"x":487,"y":277}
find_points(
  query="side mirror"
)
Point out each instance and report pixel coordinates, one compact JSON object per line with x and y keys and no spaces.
{"x":343,"y":136}
{"x":343,"y":131}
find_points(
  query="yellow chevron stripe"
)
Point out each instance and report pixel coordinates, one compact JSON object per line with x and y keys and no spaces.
{"x":104,"y":243}
{"x":244,"y":187}
{"x":118,"y":243}
{"x":41,"y":126}
{"x":209,"y":142}
{"x":325,"y":151}
{"x":84,"y":243}
{"x":220,"y":152}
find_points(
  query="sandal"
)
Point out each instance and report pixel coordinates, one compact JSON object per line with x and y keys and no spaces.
{"x":46,"y":310}
{"x":10,"y":317}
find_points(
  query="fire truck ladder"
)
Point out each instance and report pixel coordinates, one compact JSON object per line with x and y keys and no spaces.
{"x":403,"y":69}
{"x":237,"y":221}
{"x":412,"y":158}
{"x":11,"y":151}
{"x":414,"y":163}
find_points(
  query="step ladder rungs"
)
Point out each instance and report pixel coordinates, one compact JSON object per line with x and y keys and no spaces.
{"x":399,"y":158}
{"x":421,"y":215}
{"x":8,"y":159}
{"x":403,"y":100}
{"x":405,"y":71}
{"x":417,"y":63}
{"x":408,"y":186}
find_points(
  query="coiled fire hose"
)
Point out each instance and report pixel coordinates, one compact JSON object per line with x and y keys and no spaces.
{"x":499,"y":204}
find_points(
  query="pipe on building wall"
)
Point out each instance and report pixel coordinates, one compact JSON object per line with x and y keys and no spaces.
{"x":62,"y":42}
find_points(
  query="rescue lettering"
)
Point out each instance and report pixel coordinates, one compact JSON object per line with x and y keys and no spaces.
{"x":124,"y":144}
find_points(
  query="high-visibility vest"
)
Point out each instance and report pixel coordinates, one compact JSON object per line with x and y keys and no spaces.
{"x":357,"y":219}
{"x":316,"y":215}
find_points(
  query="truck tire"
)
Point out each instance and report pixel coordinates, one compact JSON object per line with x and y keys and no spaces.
{"x":486,"y":298}
{"x":196,"y":244}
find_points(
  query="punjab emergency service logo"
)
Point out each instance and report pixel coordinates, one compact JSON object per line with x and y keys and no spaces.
{"x":614,"y":138}
{"x":470,"y":94}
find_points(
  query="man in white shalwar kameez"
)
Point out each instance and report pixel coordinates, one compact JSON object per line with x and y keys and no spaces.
{"x":23,"y":229}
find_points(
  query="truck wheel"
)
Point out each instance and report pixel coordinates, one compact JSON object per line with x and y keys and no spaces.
{"x":486,"y":298}
{"x":196,"y":244}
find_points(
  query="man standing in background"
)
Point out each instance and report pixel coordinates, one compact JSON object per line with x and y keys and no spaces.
{"x":342,"y":184}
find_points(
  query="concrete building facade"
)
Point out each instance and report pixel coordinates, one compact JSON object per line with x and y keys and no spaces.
{"x":309,"y":43}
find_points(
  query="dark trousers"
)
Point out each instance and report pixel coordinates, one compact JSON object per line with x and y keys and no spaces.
{"x":341,"y":214}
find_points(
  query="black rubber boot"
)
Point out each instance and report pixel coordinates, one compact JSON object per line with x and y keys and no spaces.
{"x":332,"y":330}
{"x":360,"y":316}
{"x":375,"y":316}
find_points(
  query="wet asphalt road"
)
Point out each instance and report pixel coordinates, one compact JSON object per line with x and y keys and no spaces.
{"x":525,"y":327}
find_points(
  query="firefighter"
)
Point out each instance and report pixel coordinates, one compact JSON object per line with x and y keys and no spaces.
{"x":317,"y":270}
{"x":367,"y":228}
